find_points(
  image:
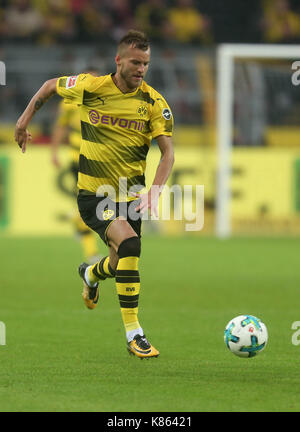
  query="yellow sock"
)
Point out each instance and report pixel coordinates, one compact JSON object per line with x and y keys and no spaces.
{"x":100,"y":271}
{"x":128,"y":289}
{"x":87,"y":237}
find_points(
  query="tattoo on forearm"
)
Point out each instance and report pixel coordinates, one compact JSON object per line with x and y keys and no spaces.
{"x":40,"y":102}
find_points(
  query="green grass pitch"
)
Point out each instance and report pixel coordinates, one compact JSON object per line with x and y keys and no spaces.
{"x":59,"y":356}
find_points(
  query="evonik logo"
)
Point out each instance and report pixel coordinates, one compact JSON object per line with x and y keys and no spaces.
{"x":95,"y":118}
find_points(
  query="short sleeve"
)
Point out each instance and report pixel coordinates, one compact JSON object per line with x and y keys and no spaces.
{"x":71,"y":88}
{"x":162,"y":121}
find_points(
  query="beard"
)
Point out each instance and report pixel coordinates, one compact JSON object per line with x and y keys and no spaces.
{"x":127,"y":77}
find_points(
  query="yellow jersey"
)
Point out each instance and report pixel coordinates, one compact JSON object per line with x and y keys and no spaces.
{"x":69,"y":116}
{"x":116,"y":130}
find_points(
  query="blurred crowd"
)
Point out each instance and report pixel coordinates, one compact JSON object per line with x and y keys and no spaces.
{"x":202,"y":22}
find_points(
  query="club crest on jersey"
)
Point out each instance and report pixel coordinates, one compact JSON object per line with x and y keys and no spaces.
{"x":166,"y":114}
{"x":94,"y":116}
{"x":107,"y":214}
{"x":71,"y":81}
{"x":142,"y":111}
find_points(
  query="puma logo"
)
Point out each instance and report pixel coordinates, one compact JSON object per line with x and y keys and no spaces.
{"x":102,"y":100}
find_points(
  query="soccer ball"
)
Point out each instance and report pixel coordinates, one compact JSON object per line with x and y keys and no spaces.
{"x":246,"y":336}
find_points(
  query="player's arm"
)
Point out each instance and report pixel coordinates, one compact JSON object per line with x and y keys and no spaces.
{"x":38,"y":100}
{"x":150,"y":200}
{"x":164,"y":168}
{"x":58,"y":137}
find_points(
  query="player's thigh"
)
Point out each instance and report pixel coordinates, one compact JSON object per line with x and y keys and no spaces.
{"x":118,"y":231}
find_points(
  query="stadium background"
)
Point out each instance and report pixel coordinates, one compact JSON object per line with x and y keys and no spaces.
{"x":46,"y":323}
{"x":55,"y":38}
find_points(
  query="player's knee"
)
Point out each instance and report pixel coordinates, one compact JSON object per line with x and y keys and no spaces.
{"x":130,"y":247}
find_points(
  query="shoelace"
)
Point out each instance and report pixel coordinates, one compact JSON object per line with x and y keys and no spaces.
{"x":142,"y":342}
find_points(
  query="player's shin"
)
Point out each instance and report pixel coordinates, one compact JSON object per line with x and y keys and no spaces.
{"x":100,"y":271}
{"x":128,"y":285}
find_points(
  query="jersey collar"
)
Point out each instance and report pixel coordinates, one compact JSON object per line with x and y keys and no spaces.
{"x":125,"y":94}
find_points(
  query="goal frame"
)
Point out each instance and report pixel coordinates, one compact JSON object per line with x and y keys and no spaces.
{"x":226,"y":55}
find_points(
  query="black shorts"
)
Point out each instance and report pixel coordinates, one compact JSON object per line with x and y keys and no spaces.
{"x":99,"y":212}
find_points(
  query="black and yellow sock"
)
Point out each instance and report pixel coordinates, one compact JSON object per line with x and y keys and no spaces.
{"x":100,"y":271}
{"x":128,"y":283}
{"x":128,"y":289}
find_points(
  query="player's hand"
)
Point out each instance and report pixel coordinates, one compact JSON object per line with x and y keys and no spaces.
{"x":148,"y":201}
{"x":21,"y":137}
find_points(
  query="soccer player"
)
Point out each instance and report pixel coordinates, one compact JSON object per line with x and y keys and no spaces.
{"x":120,"y":114}
{"x":68,"y":125}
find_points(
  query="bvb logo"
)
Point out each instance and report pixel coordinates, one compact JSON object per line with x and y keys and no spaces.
{"x":142,"y":111}
{"x":107,"y":214}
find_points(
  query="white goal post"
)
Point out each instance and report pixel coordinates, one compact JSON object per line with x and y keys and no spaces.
{"x":226,"y":54}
